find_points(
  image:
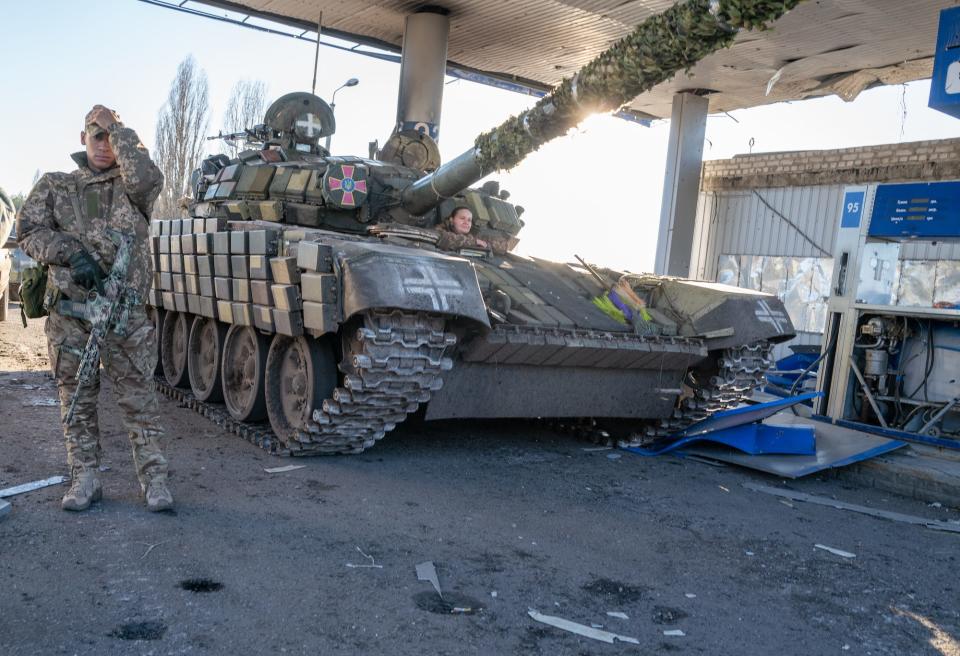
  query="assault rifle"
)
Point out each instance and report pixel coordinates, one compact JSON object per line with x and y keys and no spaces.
{"x":258,"y":133}
{"x":105,"y":311}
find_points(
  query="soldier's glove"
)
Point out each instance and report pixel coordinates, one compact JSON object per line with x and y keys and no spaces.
{"x":85,"y":271}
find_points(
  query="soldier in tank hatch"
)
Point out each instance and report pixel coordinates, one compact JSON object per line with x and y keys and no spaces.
{"x":456,"y":232}
{"x":65,"y":223}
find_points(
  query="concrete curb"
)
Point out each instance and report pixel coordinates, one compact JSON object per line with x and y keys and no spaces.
{"x":921,"y":473}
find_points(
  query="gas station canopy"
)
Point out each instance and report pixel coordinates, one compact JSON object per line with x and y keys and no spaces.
{"x":820,"y":48}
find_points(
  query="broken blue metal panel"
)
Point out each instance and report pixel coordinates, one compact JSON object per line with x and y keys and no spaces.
{"x":740,"y":428}
{"x":743,"y":415}
{"x":753,"y":439}
{"x":836,"y":447}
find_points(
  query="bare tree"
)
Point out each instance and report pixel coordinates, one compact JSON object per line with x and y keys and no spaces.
{"x":248,"y":100}
{"x":182,"y":125}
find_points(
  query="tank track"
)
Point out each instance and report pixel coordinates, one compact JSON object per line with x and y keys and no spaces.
{"x":391,"y":365}
{"x":258,"y":434}
{"x":740,"y":371}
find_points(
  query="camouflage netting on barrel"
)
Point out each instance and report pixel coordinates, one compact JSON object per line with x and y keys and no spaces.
{"x":654,"y":52}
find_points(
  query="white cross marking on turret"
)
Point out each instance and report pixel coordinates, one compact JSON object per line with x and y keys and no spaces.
{"x":311,"y":123}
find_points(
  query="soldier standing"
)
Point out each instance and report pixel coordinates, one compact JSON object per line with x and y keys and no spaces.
{"x":65,"y":223}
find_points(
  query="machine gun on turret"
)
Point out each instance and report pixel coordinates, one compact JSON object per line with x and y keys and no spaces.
{"x":257,"y":134}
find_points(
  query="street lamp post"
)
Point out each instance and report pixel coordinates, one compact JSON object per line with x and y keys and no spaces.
{"x":352,"y":82}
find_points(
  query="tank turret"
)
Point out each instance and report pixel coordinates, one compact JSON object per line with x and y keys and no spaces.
{"x":310,"y":289}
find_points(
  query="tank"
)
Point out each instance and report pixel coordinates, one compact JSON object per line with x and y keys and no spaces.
{"x":304,"y":302}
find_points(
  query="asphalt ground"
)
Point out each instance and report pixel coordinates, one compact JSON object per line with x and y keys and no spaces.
{"x":514,"y":517}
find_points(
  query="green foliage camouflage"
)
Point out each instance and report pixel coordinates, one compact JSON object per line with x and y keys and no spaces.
{"x":654,"y":52}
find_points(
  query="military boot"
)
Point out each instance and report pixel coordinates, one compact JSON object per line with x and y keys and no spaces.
{"x":157,"y":494}
{"x":84,"y":489}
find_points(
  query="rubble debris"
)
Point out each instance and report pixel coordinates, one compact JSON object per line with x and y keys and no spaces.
{"x":371,"y":565}
{"x":285,"y":468}
{"x":427,"y":572}
{"x":835,"y":552}
{"x":841,"y":505}
{"x":30,"y":487}
{"x":580,"y":629}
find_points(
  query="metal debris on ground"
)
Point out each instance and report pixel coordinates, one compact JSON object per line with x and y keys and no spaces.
{"x":4,"y":509}
{"x":30,"y":487}
{"x":151,"y":547}
{"x":674,"y":632}
{"x":835,"y":552}
{"x":937,"y":525}
{"x":690,"y":595}
{"x":285,"y":468}
{"x":617,"y":614}
{"x":597,"y":448}
{"x":427,"y":572}
{"x":371,"y":565}
{"x":613,"y":456}
{"x":580,"y":629}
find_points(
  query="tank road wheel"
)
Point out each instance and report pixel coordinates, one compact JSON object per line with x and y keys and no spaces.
{"x":156,"y":315}
{"x":203,"y":358}
{"x":301,"y":373}
{"x":173,"y":348}
{"x":242,"y":370}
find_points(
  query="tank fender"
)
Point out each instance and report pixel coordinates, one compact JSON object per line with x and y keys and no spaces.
{"x":438,"y":284}
{"x":733,"y":315}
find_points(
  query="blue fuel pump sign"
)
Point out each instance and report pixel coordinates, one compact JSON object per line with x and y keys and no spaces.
{"x":945,"y":82}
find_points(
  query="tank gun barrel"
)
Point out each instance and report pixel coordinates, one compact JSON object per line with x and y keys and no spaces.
{"x":654,"y":52}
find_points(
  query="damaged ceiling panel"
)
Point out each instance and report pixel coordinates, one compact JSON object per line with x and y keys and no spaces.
{"x":823,"y":47}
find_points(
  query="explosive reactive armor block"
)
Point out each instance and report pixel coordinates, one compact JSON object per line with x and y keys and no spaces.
{"x":263,"y":318}
{"x":286,"y":297}
{"x":240,"y":266}
{"x":260,"y":267}
{"x":285,"y":270}
{"x":238,"y":242}
{"x":240,"y":290}
{"x":319,"y":287}
{"x":260,"y":292}
{"x":320,"y":317}
{"x":315,"y":257}
{"x":287,"y":323}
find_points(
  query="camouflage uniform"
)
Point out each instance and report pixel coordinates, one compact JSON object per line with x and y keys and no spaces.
{"x":454,"y":241}
{"x":67,"y":212}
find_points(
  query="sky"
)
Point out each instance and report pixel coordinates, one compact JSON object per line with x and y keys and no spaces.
{"x":60,"y":57}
